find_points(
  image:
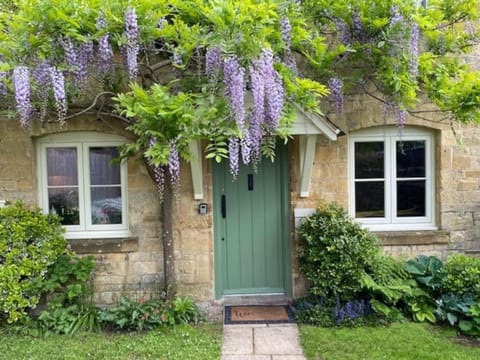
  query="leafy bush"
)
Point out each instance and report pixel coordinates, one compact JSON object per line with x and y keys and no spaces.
{"x":391,"y":289}
{"x":68,"y":280}
{"x":68,"y":320}
{"x":462,"y":311}
{"x":30,"y":242}
{"x":427,"y":271}
{"x":335,"y":252}
{"x":131,"y":315}
{"x":462,"y":275}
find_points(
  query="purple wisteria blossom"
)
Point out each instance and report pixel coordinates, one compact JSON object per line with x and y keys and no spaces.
{"x":233,"y":78}
{"x":21,"y":85}
{"x":358,"y":29}
{"x":336,"y":94}
{"x":396,"y":16}
{"x":399,"y":114}
{"x":42,"y":79}
{"x":233,"y":156}
{"x":285,"y":29}
{"x":174,"y":163}
{"x":246,"y":148}
{"x":257,"y":116}
{"x":132,"y":48}
{"x":213,"y":61}
{"x":274,"y":94}
{"x":58,"y":85}
{"x":343,"y":29}
{"x":104,"y":48}
{"x":158,"y":171}
{"x":413,"y":47}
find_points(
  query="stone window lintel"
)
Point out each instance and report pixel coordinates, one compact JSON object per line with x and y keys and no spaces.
{"x":104,"y":246}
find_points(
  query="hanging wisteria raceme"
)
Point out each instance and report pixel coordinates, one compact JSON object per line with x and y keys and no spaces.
{"x":233,"y":156}
{"x":275,"y":102}
{"x":21,"y":85}
{"x":396,"y":16}
{"x":343,"y":29}
{"x":246,"y":147}
{"x":233,"y":78}
{"x":288,"y":58}
{"x":74,"y":61}
{"x":58,"y":85}
{"x":399,"y":114}
{"x":132,"y":48}
{"x":213,"y":61}
{"x":257,"y":115}
{"x":85,"y":56}
{"x":336,"y":94}
{"x":358,"y":28}
{"x":174,"y":163}
{"x":104,"y":48}
{"x":158,"y":171}
{"x":274,"y":93}
{"x":42,"y":79}
{"x":413,"y":45}
{"x":285,"y":29}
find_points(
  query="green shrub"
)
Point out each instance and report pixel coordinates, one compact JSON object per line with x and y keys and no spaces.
{"x":461,"y":311}
{"x":335,"y":252}
{"x":427,"y":271}
{"x":30,"y":242}
{"x":132,"y":315}
{"x":462,"y":275}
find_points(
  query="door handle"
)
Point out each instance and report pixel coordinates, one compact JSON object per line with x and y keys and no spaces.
{"x":223,"y":206}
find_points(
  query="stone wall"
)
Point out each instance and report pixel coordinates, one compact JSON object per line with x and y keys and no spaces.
{"x":132,"y":266}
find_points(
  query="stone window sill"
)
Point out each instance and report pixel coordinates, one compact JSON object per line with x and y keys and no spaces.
{"x":426,"y":237}
{"x":104,"y":246}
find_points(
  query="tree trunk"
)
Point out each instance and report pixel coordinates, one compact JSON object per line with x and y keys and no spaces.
{"x":167,"y":237}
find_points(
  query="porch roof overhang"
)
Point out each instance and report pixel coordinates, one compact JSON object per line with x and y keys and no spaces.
{"x":307,"y":126}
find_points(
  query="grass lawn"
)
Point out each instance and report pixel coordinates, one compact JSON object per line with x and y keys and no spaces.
{"x":410,"y":341}
{"x":180,"y":342}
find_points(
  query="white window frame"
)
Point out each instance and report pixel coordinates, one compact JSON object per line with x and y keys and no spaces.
{"x":389,"y":136}
{"x":83,"y":141}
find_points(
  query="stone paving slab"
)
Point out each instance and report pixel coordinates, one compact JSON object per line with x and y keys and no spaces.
{"x":277,"y":341}
{"x":237,"y":340}
{"x":261,"y":342}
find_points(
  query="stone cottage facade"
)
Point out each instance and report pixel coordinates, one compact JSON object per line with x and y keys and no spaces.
{"x":421,"y":195}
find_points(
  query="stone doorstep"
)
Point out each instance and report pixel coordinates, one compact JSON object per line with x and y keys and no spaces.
{"x":255,"y":299}
{"x":261,"y":342}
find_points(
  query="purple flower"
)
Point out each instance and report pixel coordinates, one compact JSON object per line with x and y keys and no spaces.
{"x":41,"y":74}
{"x":158,"y":171}
{"x":285,"y":29}
{"x":358,"y":29}
{"x":274,"y":94}
{"x":21,"y":84}
{"x":336,"y":93}
{"x":344,"y":31}
{"x":413,"y":47}
{"x":58,"y":84}
{"x":213,"y":61}
{"x":233,"y":155}
{"x":257,"y":115}
{"x":396,"y":16}
{"x":174,"y":163}
{"x":132,"y":49}
{"x":246,"y":148}
{"x":104,"y":48}
{"x":233,"y":78}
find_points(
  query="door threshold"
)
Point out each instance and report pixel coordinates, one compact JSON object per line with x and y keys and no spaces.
{"x":256,"y":299}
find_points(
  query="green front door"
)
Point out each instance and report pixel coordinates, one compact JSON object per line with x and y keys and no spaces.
{"x":251,"y":228}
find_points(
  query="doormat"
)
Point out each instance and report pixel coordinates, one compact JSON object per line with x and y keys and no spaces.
{"x":257,"y":314}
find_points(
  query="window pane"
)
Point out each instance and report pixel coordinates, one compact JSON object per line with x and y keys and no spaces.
{"x":369,"y":161}
{"x":64,"y":203}
{"x":106,"y":205}
{"x":410,"y":159}
{"x":369,"y":199}
{"x":62,"y":166}
{"x":411,"y":198}
{"x":102,"y":170}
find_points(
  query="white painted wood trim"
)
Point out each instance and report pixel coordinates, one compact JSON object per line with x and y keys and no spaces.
{"x":308,"y":123}
{"x":197,"y":169}
{"x":307,"y":157}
